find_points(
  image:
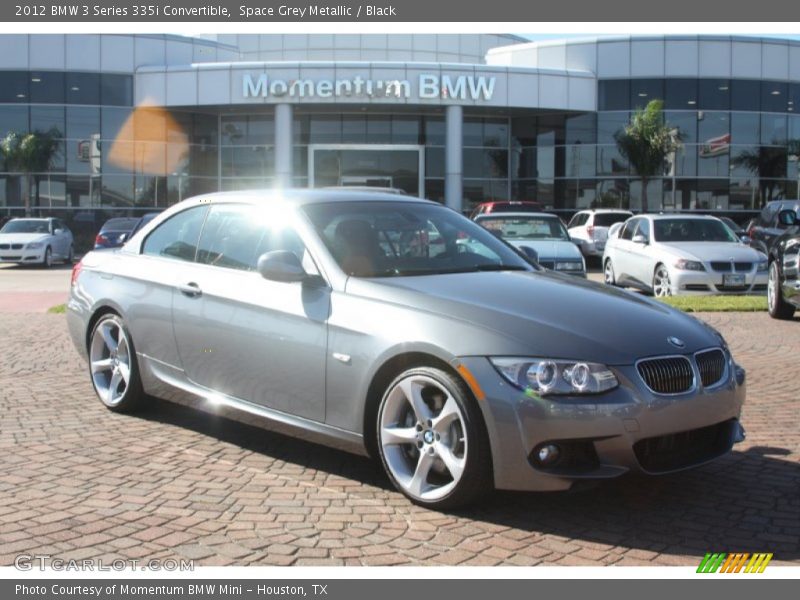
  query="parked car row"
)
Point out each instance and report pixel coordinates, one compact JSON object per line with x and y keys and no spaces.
{"x":44,"y":241}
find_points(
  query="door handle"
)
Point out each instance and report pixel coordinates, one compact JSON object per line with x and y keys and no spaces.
{"x":191,"y":289}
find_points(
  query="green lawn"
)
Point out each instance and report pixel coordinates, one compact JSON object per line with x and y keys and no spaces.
{"x":717,"y":303}
{"x":59,"y":309}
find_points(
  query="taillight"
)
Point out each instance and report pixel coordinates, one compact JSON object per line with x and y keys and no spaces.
{"x":76,"y":271}
{"x":100,"y":239}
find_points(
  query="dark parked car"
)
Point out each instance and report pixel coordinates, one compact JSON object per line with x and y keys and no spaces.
{"x":767,"y":227}
{"x":783,"y":290}
{"x":114,"y":232}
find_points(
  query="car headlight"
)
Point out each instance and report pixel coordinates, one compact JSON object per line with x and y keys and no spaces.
{"x":762,"y":266}
{"x":688,"y":265}
{"x":546,"y":376}
{"x":569,"y":266}
{"x":34,"y":245}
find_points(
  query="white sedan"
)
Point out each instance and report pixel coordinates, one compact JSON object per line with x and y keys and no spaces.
{"x":681,"y":254}
{"x":36,"y":242}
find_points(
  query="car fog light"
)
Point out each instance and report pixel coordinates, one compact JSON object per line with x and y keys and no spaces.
{"x":548,"y":454}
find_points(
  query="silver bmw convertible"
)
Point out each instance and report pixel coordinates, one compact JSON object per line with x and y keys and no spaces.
{"x":395,"y":327}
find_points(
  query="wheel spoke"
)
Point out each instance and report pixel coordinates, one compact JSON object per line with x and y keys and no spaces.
{"x":105,"y":364}
{"x":448,"y":414}
{"x":419,"y":481}
{"x":453,"y":463}
{"x":125,"y":372}
{"x":108,"y":339}
{"x":398,"y":435}
{"x":116,"y":379}
{"x":122,"y":348}
{"x":413,"y":393}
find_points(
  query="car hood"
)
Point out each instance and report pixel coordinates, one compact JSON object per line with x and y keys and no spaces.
{"x":550,"y":249}
{"x":716,"y":251}
{"x":22,"y":238}
{"x":543,"y":314}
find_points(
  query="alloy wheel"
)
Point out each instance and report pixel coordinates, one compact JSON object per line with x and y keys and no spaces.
{"x":662,"y":286}
{"x":608,"y":273}
{"x":772,"y":287}
{"x":423,"y":437}
{"x":110,"y":361}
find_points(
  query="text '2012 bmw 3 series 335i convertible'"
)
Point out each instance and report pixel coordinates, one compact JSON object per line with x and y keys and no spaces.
{"x":394,"y":326}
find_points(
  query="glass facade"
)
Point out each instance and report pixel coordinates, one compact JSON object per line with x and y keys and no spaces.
{"x":740,"y":148}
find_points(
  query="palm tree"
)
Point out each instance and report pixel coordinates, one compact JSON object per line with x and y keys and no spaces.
{"x":30,"y":154}
{"x":647,"y":142}
{"x":766,"y":163}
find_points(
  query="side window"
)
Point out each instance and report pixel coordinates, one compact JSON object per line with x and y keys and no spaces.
{"x":177,"y":236}
{"x":235,"y":236}
{"x":574,"y":221}
{"x":230,"y":237}
{"x":644,"y":229}
{"x":627,"y":231}
{"x":768,"y":215}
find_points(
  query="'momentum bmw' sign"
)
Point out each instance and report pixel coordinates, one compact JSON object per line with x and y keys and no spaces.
{"x":462,"y":87}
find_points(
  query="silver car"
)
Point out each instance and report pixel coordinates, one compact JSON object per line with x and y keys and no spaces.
{"x":395,"y":327}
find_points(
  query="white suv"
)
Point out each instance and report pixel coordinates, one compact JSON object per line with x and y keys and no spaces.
{"x":589,"y":228}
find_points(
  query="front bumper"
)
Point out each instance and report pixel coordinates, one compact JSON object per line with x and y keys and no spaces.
{"x":22,"y":256}
{"x":629,"y":429}
{"x":712,"y":282}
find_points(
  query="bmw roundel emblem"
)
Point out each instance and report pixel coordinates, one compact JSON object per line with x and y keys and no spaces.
{"x":677,"y":342}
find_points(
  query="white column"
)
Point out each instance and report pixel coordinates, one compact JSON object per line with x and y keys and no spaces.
{"x":283,"y":145}
{"x":454,"y":160}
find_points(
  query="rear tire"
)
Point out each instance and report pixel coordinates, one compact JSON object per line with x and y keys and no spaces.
{"x":608,"y":273}
{"x":70,"y":255}
{"x":777,"y":306}
{"x":113,"y":366}
{"x":432,"y":441}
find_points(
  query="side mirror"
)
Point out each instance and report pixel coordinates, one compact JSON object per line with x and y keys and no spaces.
{"x":281,"y":265}
{"x":640,"y":239}
{"x":123,"y":237}
{"x":530,"y":254}
{"x":787,"y":218}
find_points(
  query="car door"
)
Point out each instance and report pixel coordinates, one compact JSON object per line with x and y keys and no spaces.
{"x":622,"y":259}
{"x":244,"y":336}
{"x":641,"y":255}
{"x":64,"y":237}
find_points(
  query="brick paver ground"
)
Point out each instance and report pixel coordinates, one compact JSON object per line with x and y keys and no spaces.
{"x":77,"y":481}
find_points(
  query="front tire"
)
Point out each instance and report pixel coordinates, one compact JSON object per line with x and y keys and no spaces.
{"x":113,"y":366}
{"x":662,"y":286}
{"x":777,"y":306}
{"x":432,"y":441}
{"x":47,"y":261}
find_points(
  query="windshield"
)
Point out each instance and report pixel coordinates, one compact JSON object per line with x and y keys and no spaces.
{"x":608,"y":219}
{"x":692,"y":230}
{"x":390,"y":239}
{"x":26,"y":226}
{"x":526,"y":228}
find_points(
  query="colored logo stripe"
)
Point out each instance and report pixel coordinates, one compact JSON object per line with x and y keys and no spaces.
{"x":733,"y":563}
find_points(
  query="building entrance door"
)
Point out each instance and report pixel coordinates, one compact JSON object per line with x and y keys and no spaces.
{"x":398,"y":167}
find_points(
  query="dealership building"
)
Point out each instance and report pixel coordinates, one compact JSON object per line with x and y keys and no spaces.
{"x":146,"y":120}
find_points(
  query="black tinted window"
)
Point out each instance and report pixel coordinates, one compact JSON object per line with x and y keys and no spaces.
{"x":177,"y":237}
{"x":630,"y":227}
{"x":608,"y":219}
